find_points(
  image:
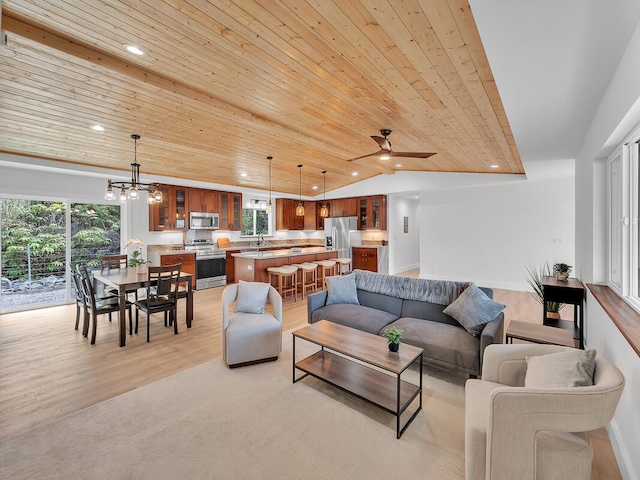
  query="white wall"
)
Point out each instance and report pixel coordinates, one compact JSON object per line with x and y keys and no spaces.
{"x":489,"y":234}
{"x":618,"y":111}
{"x":404,"y":250}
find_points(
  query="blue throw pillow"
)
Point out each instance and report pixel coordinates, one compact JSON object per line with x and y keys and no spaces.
{"x":252,"y":297}
{"x":342,"y":289}
{"x":473,"y":309}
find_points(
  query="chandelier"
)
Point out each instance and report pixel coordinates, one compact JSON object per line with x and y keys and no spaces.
{"x":130,"y":190}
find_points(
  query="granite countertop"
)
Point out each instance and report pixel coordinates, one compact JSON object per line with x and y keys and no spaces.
{"x":369,"y":246}
{"x":287,"y":252}
{"x":171,"y":251}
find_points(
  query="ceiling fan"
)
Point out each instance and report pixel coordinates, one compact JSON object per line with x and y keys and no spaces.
{"x":385,"y":152}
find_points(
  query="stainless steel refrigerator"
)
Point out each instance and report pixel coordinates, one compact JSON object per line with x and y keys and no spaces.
{"x":341,"y":233}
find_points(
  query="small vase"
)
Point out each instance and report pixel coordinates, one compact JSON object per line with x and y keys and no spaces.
{"x":394,"y":347}
{"x":562,"y":276}
{"x":141,"y":269}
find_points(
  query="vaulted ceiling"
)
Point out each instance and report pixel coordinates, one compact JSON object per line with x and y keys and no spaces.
{"x":223,"y":84}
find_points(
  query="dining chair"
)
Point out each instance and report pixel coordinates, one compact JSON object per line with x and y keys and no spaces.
{"x":162,"y":295}
{"x":95,"y":306}
{"x":115,"y":262}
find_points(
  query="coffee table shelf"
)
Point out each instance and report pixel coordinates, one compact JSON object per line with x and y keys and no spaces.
{"x":360,"y":363}
{"x":370,"y":385}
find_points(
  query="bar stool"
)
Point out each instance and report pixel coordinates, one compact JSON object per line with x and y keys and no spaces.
{"x":327,"y":268}
{"x":341,"y":263}
{"x":287,"y":280}
{"x":308,"y":276}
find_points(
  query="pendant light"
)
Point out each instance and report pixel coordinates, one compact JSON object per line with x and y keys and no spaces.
{"x":324,"y":211}
{"x":300,"y":207}
{"x":270,"y":204}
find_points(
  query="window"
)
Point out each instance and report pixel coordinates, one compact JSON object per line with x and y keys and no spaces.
{"x":623,"y":215}
{"x":256,"y":219}
{"x":39,"y":238}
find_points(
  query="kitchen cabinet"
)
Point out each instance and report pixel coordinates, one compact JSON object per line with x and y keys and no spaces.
{"x":203,"y":200}
{"x":188,"y":261}
{"x":365,"y":258}
{"x":372,"y":213}
{"x":230,"y":210}
{"x":286,"y":218}
{"x":172,"y":212}
{"x":344,"y":207}
{"x":231,"y":266}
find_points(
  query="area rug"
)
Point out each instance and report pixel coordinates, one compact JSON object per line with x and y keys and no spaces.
{"x":210,"y":422}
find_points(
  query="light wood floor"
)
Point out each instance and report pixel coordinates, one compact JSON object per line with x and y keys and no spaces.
{"x":48,"y":370}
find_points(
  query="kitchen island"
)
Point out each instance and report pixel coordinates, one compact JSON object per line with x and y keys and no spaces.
{"x":252,"y":266}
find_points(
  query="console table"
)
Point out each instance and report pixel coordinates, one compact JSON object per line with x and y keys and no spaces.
{"x":570,"y":292}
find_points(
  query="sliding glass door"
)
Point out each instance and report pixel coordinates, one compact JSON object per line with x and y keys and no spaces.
{"x":40,"y":238}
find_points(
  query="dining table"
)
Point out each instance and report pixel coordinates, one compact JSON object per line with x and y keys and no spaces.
{"x":129,"y":279}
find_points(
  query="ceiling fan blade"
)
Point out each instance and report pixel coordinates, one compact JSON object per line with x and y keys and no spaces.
{"x":364,"y":156}
{"x":382,"y":141}
{"x":412,"y":154}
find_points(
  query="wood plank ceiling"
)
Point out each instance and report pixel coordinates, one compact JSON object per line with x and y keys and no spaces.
{"x":225,"y":83}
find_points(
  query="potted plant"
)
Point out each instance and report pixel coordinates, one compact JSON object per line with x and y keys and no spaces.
{"x":562,"y":271}
{"x":534,"y":279}
{"x":393,"y":336}
{"x":136,"y":260}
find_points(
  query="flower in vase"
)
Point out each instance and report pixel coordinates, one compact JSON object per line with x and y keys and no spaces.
{"x":136,"y":256}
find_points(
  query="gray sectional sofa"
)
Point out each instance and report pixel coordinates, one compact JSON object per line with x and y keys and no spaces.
{"x":416,"y":306}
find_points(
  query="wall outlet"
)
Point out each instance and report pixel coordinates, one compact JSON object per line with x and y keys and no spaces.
{"x":558,"y":240}
{"x":249,"y":267}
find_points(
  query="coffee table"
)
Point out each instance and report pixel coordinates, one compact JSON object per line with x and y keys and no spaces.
{"x":352,"y":361}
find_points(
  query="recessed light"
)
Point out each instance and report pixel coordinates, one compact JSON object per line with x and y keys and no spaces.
{"x":315,"y":187}
{"x":134,"y":49}
{"x":97,"y":128}
{"x":494,"y":166}
{"x":416,"y":196}
{"x":354,"y":174}
{"x":243,"y":174}
{"x":398,"y":165}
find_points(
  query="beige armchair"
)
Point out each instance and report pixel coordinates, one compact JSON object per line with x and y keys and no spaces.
{"x":249,"y":338}
{"x":512,"y":431}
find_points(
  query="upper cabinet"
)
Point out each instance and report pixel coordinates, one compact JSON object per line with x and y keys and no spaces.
{"x":230,"y":210}
{"x":286,"y":218}
{"x":344,"y":207}
{"x":201,"y":200}
{"x":172,"y":212}
{"x":372,"y":213}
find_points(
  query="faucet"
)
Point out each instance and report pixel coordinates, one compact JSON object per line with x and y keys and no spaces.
{"x":260,"y":239}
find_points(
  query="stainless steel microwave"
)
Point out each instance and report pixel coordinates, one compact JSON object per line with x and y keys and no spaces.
{"x":204,"y":221}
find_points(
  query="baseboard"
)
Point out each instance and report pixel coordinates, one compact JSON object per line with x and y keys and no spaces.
{"x":482,"y":283}
{"x":622,"y":456}
{"x":404,"y":268}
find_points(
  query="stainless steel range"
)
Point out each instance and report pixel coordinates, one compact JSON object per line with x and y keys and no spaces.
{"x":211,"y":264}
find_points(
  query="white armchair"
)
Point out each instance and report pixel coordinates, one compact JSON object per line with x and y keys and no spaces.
{"x":512,"y":431}
{"x":249,"y":338}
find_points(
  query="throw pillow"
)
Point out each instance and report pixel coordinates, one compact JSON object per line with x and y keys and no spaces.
{"x":252,"y":297}
{"x":473,"y":309}
{"x":572,"y":368}
{"x":342,"y":289}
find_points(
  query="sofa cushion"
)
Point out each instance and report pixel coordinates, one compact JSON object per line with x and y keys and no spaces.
{"x":427,"y":311}
{"x":443,"y":344}
{"x":341,"y":289}
{"x":474,"y":309}
{"x":363,"y":318}
{"x":380,"y":301}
